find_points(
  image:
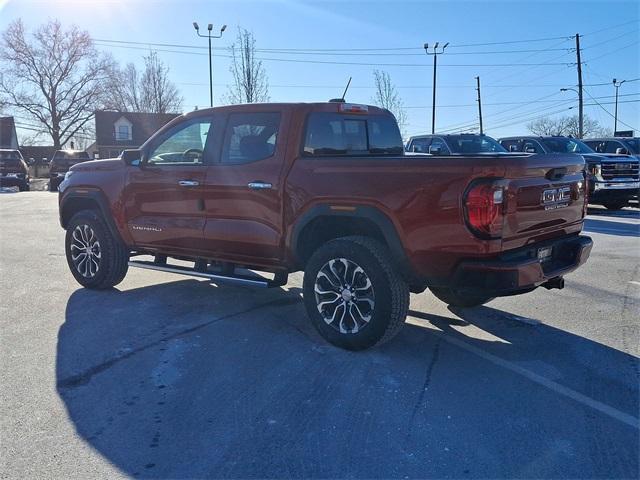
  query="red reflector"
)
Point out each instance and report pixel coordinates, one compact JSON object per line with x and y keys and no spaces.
{"x":353,"y":108}
{"x":484,"y":209}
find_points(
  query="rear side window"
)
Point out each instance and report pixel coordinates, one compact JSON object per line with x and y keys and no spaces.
{"x":420,"y":145}
{"x":250,"y":137}
{"x":335,"y":134}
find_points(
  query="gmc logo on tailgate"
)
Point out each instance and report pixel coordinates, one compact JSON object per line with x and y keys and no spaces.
{"x":553,"y":198}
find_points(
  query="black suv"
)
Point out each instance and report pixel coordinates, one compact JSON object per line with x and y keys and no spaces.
{"x":61,"y":163}
{"x":13,"y":170}
{"x":613,"y":178}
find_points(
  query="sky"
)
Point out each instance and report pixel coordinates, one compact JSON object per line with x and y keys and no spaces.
{"x":523,"y":52}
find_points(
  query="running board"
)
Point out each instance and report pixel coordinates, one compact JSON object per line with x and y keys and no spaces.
{"x":240,"y":280}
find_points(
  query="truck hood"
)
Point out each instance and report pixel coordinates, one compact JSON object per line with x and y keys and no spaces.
{"x":106,"y":165}
{"x":608,"y":157}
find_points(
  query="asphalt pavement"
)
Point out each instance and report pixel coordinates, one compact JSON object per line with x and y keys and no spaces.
{"x":168,"y":376}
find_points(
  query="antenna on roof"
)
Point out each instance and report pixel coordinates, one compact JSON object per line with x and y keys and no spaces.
{"x":346,"y":88}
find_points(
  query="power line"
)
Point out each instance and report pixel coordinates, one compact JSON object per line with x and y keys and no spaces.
{"x":608,"y":112}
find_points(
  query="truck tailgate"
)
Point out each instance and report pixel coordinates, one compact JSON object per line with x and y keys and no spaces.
{"x":545,"y":198}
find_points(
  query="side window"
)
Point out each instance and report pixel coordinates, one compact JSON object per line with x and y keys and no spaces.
{"x":420,"y":145}
{"x":184,"y":145}
{"x":439,"y":143}
{"x":250,"y":137}
{"x":611,"y":147}
{"x":511,"y":145}
{"x":531,"y":147}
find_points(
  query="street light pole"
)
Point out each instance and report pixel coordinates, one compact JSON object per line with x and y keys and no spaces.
{"x":209,"y":36}
{"x":615,"y":117}
{"x":580,"y":104}
{"x":435,"y":54}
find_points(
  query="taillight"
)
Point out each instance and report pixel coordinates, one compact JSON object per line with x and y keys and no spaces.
{"x":353,"y":108}
{"x":484,"y":209}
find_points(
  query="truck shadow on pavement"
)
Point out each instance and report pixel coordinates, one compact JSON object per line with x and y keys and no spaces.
{"x":188,"y":380}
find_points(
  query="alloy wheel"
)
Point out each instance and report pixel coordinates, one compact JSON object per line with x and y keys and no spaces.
{"x":85,"y":251}
{"x":344,"y":295}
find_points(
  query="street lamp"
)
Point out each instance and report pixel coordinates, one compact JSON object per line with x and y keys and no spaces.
{"x":616,"y":84}
{"x":209,"y":36}
{"x":580,"y":126}
{"x":436,"y":51}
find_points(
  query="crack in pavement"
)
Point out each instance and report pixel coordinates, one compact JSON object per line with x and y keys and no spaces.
{"x":86,"y":376}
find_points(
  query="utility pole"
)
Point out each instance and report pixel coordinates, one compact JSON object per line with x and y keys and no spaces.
{"x":479,"y":105}
{"x":615,"y":117}
{"x":435,"y":54}
{"x":209,"y":28}
{"x":580,"y":103}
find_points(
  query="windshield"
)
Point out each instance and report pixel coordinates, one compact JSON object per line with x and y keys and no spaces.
{"x":633,"y":145}
{"x":474,"y":144}
{"x":9,"y":156}
{"x":565,"y":145}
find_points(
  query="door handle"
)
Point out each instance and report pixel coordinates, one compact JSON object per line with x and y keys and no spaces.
{"x":259,"y":186}
{"x":188,"y":183}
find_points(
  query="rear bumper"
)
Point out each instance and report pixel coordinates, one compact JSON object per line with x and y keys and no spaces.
{"x":520,"y":270}
{"x":14,"y":182}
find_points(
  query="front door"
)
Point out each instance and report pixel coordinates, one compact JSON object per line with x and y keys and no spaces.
{"x":243,"y":197}
{"x":163,"y":196}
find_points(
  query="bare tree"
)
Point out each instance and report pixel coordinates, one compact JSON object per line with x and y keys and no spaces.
{"x":386,"y":96}
{"x":149,"y":91}
{"x":250,"y":82}
{"x":568,"y":126}
{"x":55,"y":78}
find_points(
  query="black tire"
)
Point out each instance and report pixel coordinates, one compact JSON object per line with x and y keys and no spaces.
{"x":615,"y":204}
{"x":457,"y":299}
{"x":113,"y":261}
{"x":24,"y":188}
{"x":388,"y":293}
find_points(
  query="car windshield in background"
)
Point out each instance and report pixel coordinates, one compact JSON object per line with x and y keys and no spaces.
{"x":9,"y":156}
{"x":468,"y":144}
{"x":336,"y":134}
{"x":633,"y":145}
{"x":565,"y":145}
{"x":70,"y":158}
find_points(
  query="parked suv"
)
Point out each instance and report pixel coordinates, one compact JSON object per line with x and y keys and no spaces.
{"x":326,"y":188}
{"x":14,"y":171}
{"x":61,"y":162}
{"x":613,"y":178}
{"x":458,"y":144}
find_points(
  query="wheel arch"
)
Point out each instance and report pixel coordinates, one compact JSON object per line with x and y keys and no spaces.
{"x":76,"y":201}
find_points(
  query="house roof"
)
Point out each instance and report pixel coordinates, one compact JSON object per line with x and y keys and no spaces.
{"x":143,"y":126}
{"x":38,"y":152}
{"x":8,"y":137}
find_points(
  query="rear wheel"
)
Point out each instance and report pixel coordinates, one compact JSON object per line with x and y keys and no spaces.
{"x":95,"y":257}
{"x":615,"y":204}
{"x":455,"y":298}
{"x":353,"y":294}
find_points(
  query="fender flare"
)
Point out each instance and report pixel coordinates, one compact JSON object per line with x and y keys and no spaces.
{"x":96,"y":196}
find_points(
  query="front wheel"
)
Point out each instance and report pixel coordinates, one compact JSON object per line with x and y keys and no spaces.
{"x":615,"y":204}
{"x":96,"y":258}
{"x":455,"y":298}
{"x":353,"y":294}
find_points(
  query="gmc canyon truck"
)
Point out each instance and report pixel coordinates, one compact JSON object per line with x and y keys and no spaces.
{"x":326,"y":188}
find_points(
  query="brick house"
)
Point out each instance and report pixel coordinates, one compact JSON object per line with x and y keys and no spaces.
{"x":117,"y":131}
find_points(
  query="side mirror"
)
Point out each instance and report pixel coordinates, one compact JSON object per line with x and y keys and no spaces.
{"x":131,"y":157}
{"x":622,"y":151}
{"x":513,"y":148}
{"x":435,"y":150}
{"x":530,"y":150}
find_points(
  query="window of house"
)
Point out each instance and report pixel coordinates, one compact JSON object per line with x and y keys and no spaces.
{"x":250,"y":137}
{"x":123,"y":132}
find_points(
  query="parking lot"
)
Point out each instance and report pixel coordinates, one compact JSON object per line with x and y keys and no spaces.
{"x":175,"y":377}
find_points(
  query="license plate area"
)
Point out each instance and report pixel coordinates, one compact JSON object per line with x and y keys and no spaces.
{"x":545,"y":254}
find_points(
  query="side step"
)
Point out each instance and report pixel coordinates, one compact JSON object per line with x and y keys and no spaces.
{"x":237,"y":279}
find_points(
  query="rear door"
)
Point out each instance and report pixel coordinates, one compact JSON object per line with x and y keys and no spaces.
{"x":243,"y":193}
{"x":545,"y":194}
{"x":163,"y":197}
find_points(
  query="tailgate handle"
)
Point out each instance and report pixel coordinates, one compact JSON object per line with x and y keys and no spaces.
{"x":556,"y":173}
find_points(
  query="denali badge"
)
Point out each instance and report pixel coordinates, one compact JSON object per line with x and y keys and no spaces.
{"x":554,"y":198}
{"x":146,"y":229}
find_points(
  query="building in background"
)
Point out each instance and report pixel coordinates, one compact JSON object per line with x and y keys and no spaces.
{"x":8,"y":136}
{"x":117,"y":131}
